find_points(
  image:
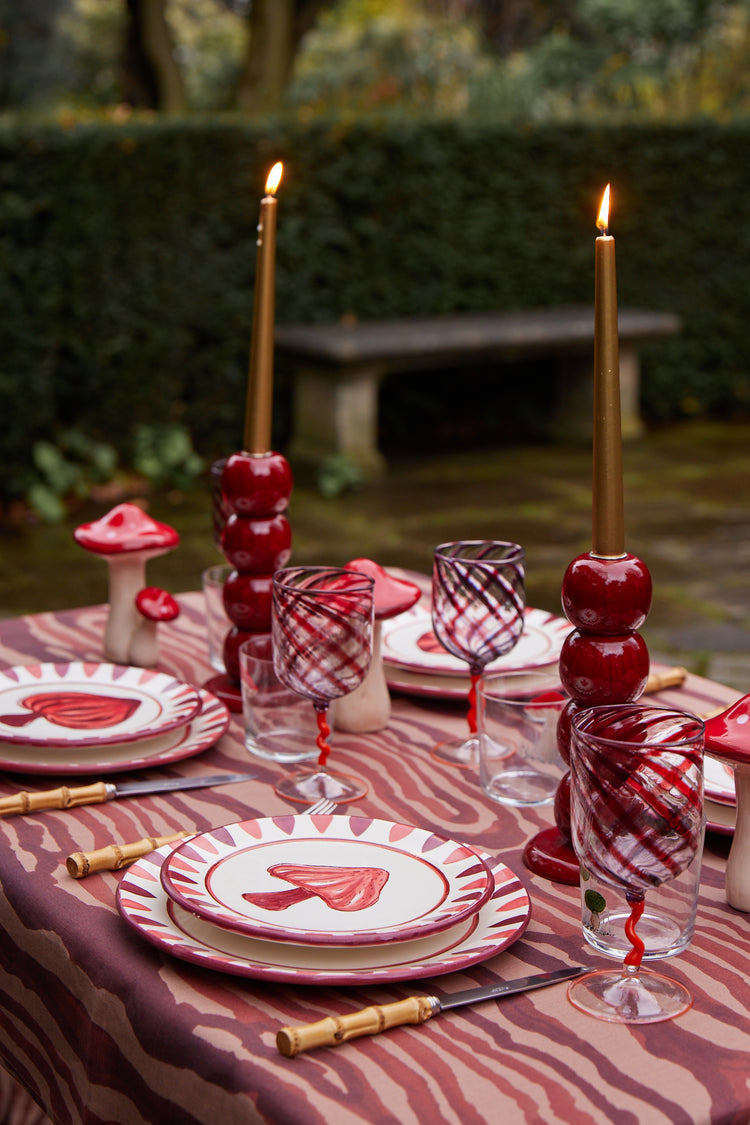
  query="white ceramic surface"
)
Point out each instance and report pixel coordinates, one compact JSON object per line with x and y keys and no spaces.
{"x":146,"y":907}
{"x":82,"y":704}
{"x":409,"y":643}
{"x":718,"y":781}
{"x":186,"y":741}
{"x":327,"y":879}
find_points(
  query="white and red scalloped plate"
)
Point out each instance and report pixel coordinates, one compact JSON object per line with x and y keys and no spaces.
{"x":145,"y":905}
{"x":85,"y":704}
{"x":718,"y":781}
{"x":327,"y":880}
{"x":409,"y":643}
{"x":202,"y":731}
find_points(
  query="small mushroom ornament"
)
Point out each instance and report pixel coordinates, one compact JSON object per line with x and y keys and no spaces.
{"x":127,"y":537}
{"x":154,"y":605}
{"x":368,"y":708}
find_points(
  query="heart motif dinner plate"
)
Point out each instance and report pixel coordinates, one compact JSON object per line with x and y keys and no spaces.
{"x":327,"y":879}
{"x":202,"y":731}
{"x":82,"y":704}
{"x":144,"y":904}
{"x":409,"y":643}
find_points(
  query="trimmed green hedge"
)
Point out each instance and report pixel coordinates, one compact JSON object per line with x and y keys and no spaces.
{"x":127,"y":255}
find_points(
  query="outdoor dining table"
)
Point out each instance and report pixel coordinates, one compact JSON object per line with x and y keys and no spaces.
{"x":100,"y":1026}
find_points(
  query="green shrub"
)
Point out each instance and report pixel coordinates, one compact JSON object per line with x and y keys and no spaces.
{"x":127,"y":256}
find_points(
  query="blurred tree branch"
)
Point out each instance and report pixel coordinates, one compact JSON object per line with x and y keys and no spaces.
{"x":276,"y":29}
{"x":151,"y":78}
{"x":511,"y":25}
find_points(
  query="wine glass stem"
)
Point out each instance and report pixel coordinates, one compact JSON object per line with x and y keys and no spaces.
{"x":324,"y":731}
{"x":635,"y":953}
{"x":472,"y":716}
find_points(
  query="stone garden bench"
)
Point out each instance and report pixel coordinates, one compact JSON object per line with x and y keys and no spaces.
{"x":337,"y":369}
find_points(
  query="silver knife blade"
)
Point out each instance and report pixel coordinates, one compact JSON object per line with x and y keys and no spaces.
{"x":171,"y":784}
{"x":506,"y":988}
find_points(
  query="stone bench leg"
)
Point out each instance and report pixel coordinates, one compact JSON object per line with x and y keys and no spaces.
{"x":630,"y":392}
{"x":575,"y":396}
{"x":336,"y":413}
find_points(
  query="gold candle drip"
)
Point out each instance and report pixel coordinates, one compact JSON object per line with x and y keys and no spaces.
{"x":608,"y":532}
{"x":259,"y":404}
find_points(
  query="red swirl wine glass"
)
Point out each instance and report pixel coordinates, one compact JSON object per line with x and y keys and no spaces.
{"x":637,"y":822}
{"x":478,"y":606}
{"x":321,"y":627}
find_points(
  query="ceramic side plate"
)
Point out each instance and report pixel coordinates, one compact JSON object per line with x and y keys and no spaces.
{"x":79,"y":704}
{"x":408,"y":642}
{"x":327,"y":880}
{"x":202,"y":731}
{"x":718,"y":781}
{"x":144,"y":905}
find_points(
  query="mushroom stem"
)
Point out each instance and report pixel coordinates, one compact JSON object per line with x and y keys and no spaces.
{"x":144,"y":647}
{"x":368,"y":707}
{"x":126,"y":577}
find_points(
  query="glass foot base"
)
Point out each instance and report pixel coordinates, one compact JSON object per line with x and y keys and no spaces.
{"x":226,"y":690}
{"x":550,"y":855}
{"x":310,"y":786}
{"x":461,"y":752}
{"x":619,"y":996}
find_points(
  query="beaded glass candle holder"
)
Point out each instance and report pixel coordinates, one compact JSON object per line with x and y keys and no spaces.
{"x":603,"y":660}
{"x":257,"y":541}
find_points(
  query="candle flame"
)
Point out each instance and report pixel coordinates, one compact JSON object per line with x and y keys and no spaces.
{"x":274,"y":178}
{"x":603,"y":220}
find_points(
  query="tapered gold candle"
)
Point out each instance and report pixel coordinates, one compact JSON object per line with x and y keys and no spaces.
{"x":259,"y":406}
{"x":608,"y":531}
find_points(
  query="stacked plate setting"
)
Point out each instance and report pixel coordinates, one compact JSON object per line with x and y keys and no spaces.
{"x":416,"y":663}
{"x":325,"y":899}
{"x":720,"y":795}
{"x":90,"y":718}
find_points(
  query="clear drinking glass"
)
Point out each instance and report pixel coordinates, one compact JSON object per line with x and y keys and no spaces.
{"x":637,"y":823}
{"x":478,"y":607}
{"x":517,"y":716}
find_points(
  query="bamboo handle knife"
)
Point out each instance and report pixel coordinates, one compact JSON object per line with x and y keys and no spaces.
{"x":332,"y":1030}
{"x":100,"y":791}
{"x":62,"y":798}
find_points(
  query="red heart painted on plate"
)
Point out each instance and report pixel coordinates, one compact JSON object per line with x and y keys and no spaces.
{"x":77,"y":710}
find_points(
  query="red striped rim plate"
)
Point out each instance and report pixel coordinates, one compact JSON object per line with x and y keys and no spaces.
{"x":186,"y":741}
{"x":145,"y":905}
{"x":327,"y":880}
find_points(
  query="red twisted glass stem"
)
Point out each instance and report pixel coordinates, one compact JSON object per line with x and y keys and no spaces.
{"x":323,"y":734}
{"x":472,"y":716}
{"x":634,"y":955}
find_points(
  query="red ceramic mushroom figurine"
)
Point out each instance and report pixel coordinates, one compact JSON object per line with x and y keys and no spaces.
{"x":154,"y":605}
{"x":368,"y":708}
{"x":127,"y":538}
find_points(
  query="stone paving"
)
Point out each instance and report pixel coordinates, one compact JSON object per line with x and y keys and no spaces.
{"x":687,"y":515}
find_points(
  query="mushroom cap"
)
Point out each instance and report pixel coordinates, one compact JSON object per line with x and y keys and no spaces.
{"x":391,"y":595}
{"x":126,"y":528}
{"x":156,"y":604}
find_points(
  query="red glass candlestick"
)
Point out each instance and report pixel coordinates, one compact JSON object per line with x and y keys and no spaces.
{"x":257,"y":540}
{"x":606,"y":594}
{"x":255,"y":484}
{"x":604,"y":660}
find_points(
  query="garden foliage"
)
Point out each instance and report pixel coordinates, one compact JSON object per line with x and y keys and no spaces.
{"x":127,"y":256}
